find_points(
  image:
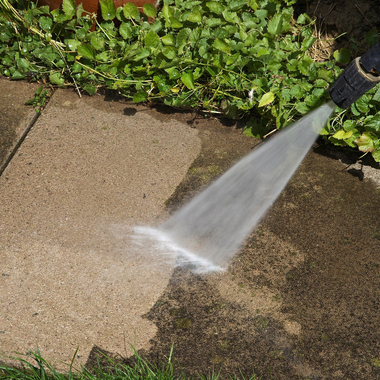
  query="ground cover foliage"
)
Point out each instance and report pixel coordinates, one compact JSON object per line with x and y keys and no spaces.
{"x":246,"y":59}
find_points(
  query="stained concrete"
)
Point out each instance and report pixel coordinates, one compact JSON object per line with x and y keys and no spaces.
{"x":15,"y":116}
{"x":71,"y":277}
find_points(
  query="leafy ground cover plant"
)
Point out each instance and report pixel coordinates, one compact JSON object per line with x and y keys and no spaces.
{"x":242,"y":58}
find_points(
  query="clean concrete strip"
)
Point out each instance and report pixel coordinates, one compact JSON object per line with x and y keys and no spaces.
{"x":70,"y":275}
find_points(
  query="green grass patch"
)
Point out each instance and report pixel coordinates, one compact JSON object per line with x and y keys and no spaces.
{"x":34,"y":367}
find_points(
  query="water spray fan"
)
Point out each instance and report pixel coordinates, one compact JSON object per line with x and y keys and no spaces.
{"x":362,"y":74}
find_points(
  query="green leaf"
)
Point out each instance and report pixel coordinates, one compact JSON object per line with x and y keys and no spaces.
{"x":365,"y":142}
{"x":374,"y":123}
{"x":140,"y":96}
{"x":261,"y":14}
{"x":320,"y":83}
{"x":188,"y":80}
{"x":90,"y":89}
{"x":354,"y":110}
{"x":304,"y":66}
{"x":195,"y":16}
{"x":362,"y":104}
{"x":376,"y":155}
{"x":170,"y":52}
{"x":266,"y":99}
{"x":69,"y":7}
{"x":307,"y":32}
{"x":215,"y":7}
{"x":342,"y":56}
{"x":235,"y":5}
{"x":371,"y":37}
{"x":307,"y":43}
{"x":18,"y":75}
{"x":86,"y":51}
{"x":182,"y":39}
{"x":275,"y":25}
{"x":108,"y":9}
{"x":301,"y":19}
{"x":302,"y":108}
{"x":221,"y":45}
{"x":343,"y":135}
{"x":130,"y":11}
{"x":168,"y":40}
{"x":376,"y":97}
{"x":80,"y":10}
{"x":56,"y":78}
{"x":167,"y":12}
{"x":125,"y":30}
{"x":175,"y":23}
{"x":349,"y":125}
{"x":231,"y":17}
{"x":151,"y":39}
{"x":46,"y":22}
{"x":97,"y":42}
{"x":22,"y":63}
{"x":253,"y":4}
{"x":72,"y":44}
{"x":150,"y":10}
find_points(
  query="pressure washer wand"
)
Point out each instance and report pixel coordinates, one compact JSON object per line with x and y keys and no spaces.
{"x":362,"y":74}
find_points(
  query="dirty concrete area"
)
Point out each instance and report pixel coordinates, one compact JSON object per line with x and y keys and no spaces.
{"x":300,"y":301}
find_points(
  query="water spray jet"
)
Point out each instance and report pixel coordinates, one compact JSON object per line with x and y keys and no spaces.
{"x":214,"y":224}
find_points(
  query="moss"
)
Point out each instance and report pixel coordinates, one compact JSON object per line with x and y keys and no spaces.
{"x":183,"y":323}
{"x":276,"y":297}
{"x":224,"y":345}
{"x":217,"y":360}
{"x":178,"y":312}
{"x":375,"y":362}
{"x":205,"y":173}
{"x":376,"y":234}
{"x":261,"y":322}
{"x":324,"y":337}
{"x":312,"y":264}
{"x":292,"y":275}
{"x":276,"y":354}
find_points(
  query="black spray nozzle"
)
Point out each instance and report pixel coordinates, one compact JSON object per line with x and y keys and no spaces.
{"x":362,"y":74}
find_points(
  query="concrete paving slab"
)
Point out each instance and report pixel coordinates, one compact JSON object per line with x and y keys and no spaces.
{"x":15,"y":117}
{"x":70,"y":274}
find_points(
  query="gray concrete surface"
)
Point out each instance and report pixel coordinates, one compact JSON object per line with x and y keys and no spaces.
{"x":70,"y":275}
